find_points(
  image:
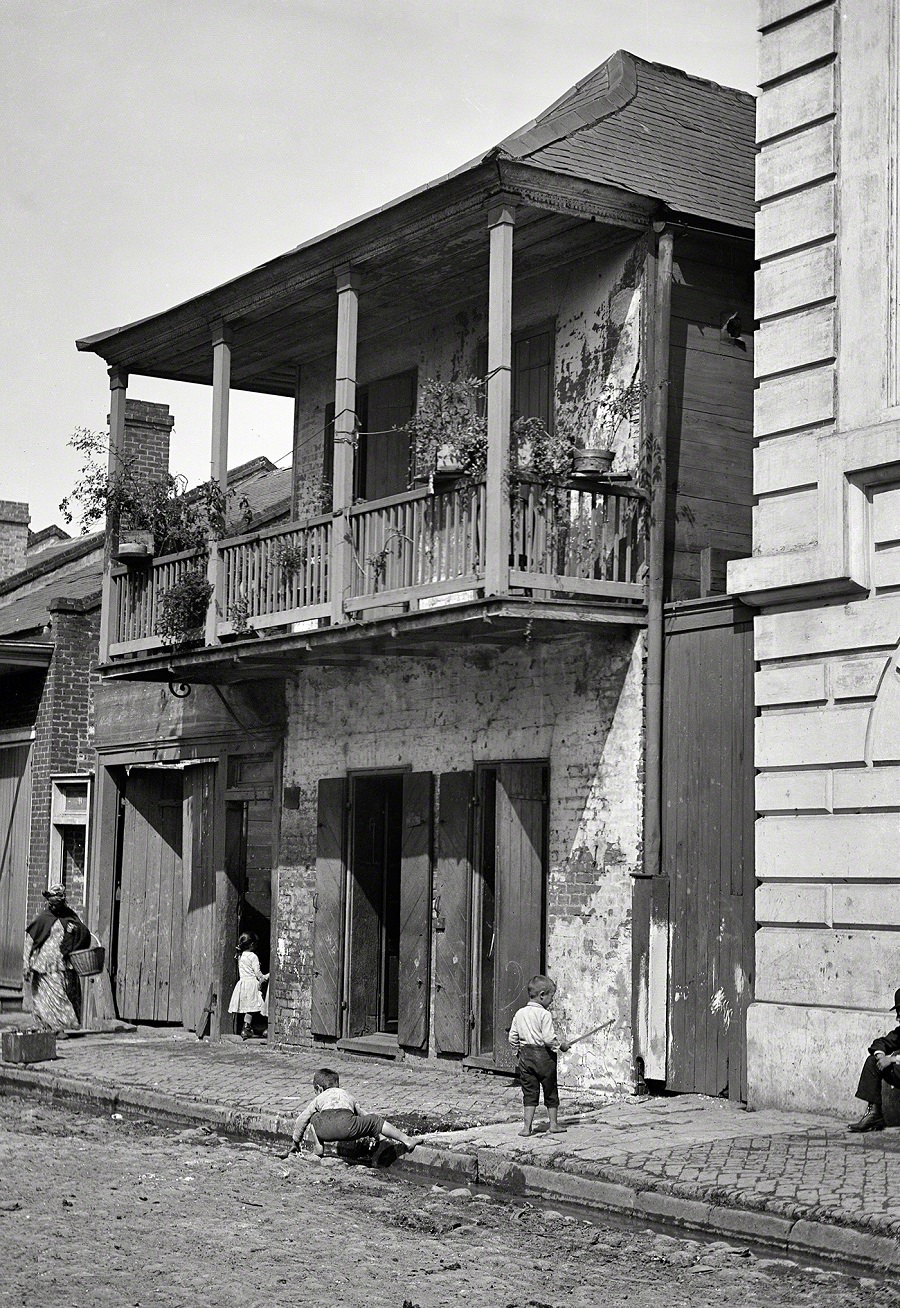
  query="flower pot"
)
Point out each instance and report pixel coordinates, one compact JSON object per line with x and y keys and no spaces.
{"x":594,"y":461}
{"x":134,"y":546}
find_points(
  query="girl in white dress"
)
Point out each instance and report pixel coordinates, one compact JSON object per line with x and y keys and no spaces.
{"x":247,"y":997}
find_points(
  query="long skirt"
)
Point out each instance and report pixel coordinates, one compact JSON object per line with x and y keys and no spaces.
{"x":56,"y":1000}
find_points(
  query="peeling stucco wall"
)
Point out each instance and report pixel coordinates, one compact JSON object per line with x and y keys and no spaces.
{"x":595,"y":304}
{"x":579,"y":706}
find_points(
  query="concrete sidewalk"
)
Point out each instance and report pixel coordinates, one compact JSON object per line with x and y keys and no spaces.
{"x":794,"y":1183}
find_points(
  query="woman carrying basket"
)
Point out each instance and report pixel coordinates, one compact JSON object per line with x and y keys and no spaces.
{"x":49,"y":940}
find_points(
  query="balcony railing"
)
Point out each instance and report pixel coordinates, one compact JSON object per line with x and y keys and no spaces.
{"x":274,"y":577}
{"x":415,"y":545}
{"x":405,"y":551}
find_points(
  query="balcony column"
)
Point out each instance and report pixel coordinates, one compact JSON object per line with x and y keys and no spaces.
{"x":501,"y":223}
{"x":218,"y":469}
{"x":118,"y":385}
{"x":344,"y":437}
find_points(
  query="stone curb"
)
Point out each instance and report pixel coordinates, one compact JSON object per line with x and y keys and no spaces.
{"x":786,"y":1236}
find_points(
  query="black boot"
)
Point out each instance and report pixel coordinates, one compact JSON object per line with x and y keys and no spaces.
{"x":871,"y":1120}
{"x":247,"y":1029}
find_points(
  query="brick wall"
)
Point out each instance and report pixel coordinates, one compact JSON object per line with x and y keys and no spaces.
{"x":579,"y":706}
{"x":63,"y":726}
{"x":148,"y":431}
{"x":14,"y":520}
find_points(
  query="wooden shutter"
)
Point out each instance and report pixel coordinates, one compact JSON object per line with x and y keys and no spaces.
{"x":532,"y":377}
{"x":391,"y":401}
{"x":329,"y":903}
{"x":198,"y":895}
{"x":520,"y":836}
{"x":415,"y":910}
{"x":451,"y":891}
{"x":15,"y":823}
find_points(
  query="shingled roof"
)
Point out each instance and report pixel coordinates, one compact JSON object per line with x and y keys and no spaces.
{"x":653,"y":130}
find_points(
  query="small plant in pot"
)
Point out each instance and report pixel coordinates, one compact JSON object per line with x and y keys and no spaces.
{"x":448,"y":431}
{"x":619,"y":404}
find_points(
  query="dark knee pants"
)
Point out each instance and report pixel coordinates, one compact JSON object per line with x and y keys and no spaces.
{"x":537,"y":1071}
{"x":871,"y":1080}
{"x":332,"y":1124}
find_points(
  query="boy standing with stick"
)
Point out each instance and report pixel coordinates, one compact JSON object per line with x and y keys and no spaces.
{"x":534,"y":1039}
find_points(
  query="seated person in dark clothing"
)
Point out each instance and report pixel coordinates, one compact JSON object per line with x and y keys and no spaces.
{"x":883,"y":1064}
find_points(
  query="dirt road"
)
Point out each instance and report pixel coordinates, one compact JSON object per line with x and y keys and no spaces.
{"x":100,"y":1212}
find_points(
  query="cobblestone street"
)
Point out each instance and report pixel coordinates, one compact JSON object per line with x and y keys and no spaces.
{"x":104,"y":1211}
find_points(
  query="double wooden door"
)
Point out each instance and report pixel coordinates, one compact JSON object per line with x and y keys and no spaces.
{"x":481,"y":917}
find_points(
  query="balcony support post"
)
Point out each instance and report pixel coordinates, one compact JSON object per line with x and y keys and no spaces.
{"x":118,"y":385}
{"x":501,"y":222}
{"x":218,"y":469}
{"x":344,"y":437}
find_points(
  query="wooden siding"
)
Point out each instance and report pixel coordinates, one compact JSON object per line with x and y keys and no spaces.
{"x":710,"y":433}
{"x":707,"y":844}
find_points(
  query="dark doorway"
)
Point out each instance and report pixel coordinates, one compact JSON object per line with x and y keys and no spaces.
{"x":374,"y":913}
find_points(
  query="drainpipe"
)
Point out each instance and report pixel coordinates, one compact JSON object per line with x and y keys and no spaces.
{"x":651,"y":899}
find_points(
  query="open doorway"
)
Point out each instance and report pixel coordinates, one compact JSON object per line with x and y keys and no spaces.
{"x":373,"y":955}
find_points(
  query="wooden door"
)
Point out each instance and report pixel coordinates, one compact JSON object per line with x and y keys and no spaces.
{"x":198,"y":895}
{"x":149,"y":944}
{"x":521,"y":880}
{"x":415,"y":910}
{"x":451,"y":908}
{"x":15,"y":827}
{"x":328,"y":919}
{"x":707,"y":844}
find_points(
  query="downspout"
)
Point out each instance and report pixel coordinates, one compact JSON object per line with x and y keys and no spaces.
{"x":651,"y":900}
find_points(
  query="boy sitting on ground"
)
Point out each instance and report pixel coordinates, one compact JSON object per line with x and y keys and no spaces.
{"x":534,"y":1039}
{"x":882,"y":1065}
{"x":335,"y":1115}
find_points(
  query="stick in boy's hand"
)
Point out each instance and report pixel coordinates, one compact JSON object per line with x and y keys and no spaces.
{"x":593,"y":1031}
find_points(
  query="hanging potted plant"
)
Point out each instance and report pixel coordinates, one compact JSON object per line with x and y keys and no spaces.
{"x":182,"y":608}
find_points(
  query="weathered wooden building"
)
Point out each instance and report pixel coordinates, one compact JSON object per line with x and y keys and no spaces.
{"x":452,"y":728}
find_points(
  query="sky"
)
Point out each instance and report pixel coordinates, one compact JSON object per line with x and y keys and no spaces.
{"x":152,"y":149}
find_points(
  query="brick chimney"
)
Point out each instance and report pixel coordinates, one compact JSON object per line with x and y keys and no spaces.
{"x":14,"y":520}
{"x":148,"y":428}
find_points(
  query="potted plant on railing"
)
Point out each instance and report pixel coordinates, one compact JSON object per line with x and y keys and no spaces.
{"x":448,"y":431}
{"x":619,"y":404}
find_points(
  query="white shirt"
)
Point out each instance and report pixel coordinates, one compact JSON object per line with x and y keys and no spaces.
{"x":533,"y":1025}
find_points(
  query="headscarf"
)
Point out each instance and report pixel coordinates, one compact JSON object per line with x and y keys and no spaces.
{"x":57,"y":910}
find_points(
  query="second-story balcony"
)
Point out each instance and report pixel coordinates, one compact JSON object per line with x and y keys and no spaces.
{"x":575,"y":553}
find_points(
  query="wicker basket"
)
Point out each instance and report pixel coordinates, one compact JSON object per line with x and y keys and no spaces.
{"x":88,"y":962}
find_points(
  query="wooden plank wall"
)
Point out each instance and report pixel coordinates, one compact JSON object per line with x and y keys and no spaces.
{"x":15,"y":831}
{"x":521,"y":879}
{"x":707,"y":844}
{"x":710,"y":435}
